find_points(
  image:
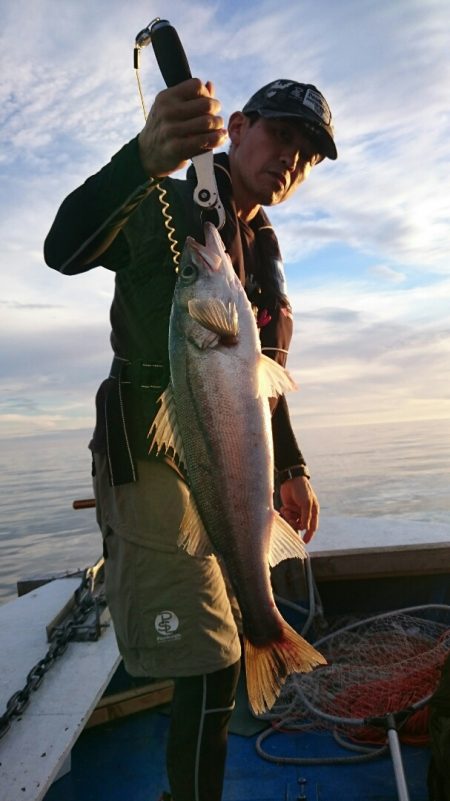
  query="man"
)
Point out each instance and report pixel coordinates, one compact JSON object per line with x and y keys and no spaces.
{"x":171,"y":611}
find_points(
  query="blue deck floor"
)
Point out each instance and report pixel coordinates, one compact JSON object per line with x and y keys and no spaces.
{"x":124,"y":761}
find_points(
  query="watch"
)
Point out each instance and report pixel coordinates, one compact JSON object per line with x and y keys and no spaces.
{"x":293,"y":472}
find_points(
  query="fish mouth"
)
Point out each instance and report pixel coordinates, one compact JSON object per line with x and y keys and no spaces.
{"x":212,"y":252}
{"x":207,"y":259}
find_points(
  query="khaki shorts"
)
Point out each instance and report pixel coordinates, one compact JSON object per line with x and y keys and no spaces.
{"x":171,"y":611}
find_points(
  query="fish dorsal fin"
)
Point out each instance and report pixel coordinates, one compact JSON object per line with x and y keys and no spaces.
{"x":285,"y":543}
{"x":216,"y":316}
{"x":164,"y":430}
{"x":192,"y":536}
{"x":274,"y":379}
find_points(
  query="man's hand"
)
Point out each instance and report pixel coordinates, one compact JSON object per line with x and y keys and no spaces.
{"x":299,"y":506}
{"x":183,"y":122}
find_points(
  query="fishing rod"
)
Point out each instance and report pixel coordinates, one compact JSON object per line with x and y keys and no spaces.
{"x":169,"y":52}
{"x":174,"y":66}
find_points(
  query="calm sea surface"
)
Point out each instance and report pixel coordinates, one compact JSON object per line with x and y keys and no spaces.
{"x":396,"y":470}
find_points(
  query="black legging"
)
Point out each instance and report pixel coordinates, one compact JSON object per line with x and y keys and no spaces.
{"x":197,"y":746}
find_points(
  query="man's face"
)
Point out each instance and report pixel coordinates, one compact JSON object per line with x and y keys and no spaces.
{"x":270,"y":158}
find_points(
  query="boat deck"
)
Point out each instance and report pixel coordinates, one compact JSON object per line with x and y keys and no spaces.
{"x":124,"y":761}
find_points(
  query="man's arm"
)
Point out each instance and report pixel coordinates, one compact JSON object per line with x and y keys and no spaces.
{"x":90,"y":219}
{"x":183,"y":122}
{"x":299,"y":504}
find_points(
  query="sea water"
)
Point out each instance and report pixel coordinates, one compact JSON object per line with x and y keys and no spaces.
{"x":396,"y":470}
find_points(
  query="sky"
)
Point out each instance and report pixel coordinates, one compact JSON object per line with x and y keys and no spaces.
{"x":365,"y":240}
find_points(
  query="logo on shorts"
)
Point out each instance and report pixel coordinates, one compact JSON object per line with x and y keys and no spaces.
{"x":166,"y":625}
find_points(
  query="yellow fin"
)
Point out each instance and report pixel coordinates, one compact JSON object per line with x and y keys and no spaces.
{"x":285,"y":543}
{"x":268,"y":666}
{"x":274,"y":379}
{"x":165,"y":427}
{"x":192,"y":536}
{"x":216,"y":316}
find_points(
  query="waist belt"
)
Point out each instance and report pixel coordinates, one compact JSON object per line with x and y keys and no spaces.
{"x":141,"y":375}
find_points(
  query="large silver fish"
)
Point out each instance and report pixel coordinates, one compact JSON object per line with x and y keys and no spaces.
{"x":215,"y":417}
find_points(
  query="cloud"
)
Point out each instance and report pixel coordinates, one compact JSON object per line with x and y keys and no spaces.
{"x":387,"y":273}
{"x":49,"y":380}
{"x":385,"y":195}
{"x":352,"y":367}
{"x":375,"y":345}
{"x":332,"y":316}
{"x":17,"y":304}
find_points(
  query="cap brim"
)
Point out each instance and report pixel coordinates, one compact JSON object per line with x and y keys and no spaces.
{"x":325,"y":140}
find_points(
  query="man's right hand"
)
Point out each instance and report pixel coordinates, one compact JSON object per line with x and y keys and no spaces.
{"x":183,"y":122}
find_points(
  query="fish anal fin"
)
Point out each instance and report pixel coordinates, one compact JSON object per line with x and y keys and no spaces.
{"x":268,"y":666}
{"x":164,"y":429}
{"x":273,"y":379}
{"x":285,"y":543}
{"x":216,"y":316}
{"x":192,"y":536}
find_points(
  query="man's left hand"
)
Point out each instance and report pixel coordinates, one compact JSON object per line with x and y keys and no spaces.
{"x":299,"y":506}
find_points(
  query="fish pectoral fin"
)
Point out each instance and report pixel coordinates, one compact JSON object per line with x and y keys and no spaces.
{"x":215,"y":315}
{"x":285,"y":543}
{"x":192,"y":536}
{"x":274,"y":379}
{"x":164,"y":429}
{"x":268,"y":666}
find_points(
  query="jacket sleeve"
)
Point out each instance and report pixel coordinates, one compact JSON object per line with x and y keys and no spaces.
{"x":87,"y":228}
{"x":275,"y":340}
{"x":286,"y":450}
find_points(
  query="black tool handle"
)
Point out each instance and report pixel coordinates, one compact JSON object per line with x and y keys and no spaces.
{"x":169,"y":53}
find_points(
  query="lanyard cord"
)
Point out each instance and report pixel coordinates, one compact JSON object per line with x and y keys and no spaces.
{"x":152,"y":184}
{"x":136,"y":63}
{"x":142,"y":40}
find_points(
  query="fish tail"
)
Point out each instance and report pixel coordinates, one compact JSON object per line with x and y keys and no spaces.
{"x":268,"y":666}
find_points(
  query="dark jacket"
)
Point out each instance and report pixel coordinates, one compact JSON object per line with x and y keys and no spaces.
{"x":121,"y":220}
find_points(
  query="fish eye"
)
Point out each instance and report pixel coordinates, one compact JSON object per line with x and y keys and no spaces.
{"x":189,"y":273}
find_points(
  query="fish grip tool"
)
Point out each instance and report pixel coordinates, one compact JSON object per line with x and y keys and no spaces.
{"x":174,"y":66}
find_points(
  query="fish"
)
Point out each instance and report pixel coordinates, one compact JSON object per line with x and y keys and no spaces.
{"x":214,"y":420}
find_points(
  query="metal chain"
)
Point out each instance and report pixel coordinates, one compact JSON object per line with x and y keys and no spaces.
{"x":73,"y":628}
